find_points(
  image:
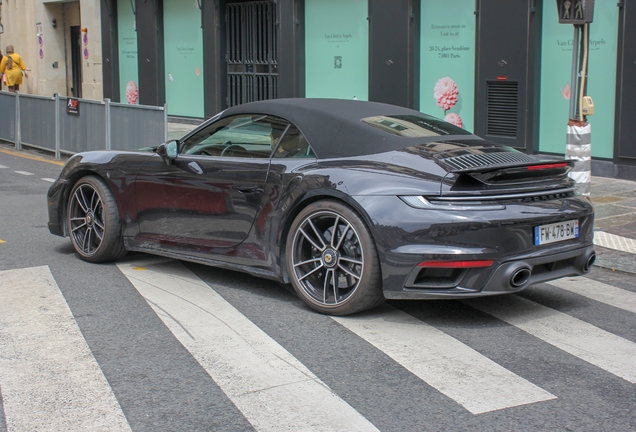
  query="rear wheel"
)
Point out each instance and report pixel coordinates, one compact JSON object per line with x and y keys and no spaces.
{"x":93,"y":221}
{"x":332,"y":260}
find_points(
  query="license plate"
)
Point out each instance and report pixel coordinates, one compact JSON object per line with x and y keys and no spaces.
{"x":550,"y":233}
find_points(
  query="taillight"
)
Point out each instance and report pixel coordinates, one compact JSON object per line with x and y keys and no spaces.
{"x":456,"y":264}
{"x":547,"y":166}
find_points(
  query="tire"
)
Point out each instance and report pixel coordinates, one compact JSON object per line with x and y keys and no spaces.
{"x":334,"y":274}
{"x":93,"y":221}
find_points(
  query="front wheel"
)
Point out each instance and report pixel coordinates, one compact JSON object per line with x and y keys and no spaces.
{"x":93,"y":221}
{"x":332,"y":260}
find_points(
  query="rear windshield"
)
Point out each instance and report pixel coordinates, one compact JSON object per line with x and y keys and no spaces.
{"x":414,"y":126}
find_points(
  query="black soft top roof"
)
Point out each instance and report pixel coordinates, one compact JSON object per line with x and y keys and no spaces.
{"x":333,"y":126}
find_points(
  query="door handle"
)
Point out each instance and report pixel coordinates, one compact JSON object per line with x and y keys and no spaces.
{"x":248,"y":189}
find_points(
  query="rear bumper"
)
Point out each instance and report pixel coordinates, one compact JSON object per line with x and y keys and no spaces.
{"x":509,"y":276}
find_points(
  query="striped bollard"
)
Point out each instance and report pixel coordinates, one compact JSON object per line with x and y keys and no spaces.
{"x":579,"y":149}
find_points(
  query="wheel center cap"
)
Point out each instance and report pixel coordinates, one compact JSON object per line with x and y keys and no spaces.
{"x":330,"y":258}
{"x":90,"y":219}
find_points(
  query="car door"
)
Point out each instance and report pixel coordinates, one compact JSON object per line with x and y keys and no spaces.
{"x":210,"y":195}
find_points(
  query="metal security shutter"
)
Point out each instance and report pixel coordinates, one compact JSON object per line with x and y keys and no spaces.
{"x":252,"y":52}
{"x":502,"y":109}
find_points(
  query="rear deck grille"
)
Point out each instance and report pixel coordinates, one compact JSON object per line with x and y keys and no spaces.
{"x":487,"y":159}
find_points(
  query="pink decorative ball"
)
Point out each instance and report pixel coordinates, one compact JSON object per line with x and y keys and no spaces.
{"x":455,"y":119}
{"x":446,"y":93}
{"x":132,"y":92}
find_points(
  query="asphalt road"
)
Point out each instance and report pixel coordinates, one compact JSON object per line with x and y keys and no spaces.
{"x":153,"y":344}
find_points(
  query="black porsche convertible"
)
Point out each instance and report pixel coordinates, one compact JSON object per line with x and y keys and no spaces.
{"x":351,"y":202}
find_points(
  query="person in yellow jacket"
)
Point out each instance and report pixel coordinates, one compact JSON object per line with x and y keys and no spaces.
{"x":13,"y":67}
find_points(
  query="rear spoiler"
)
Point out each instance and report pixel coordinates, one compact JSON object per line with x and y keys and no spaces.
{"x":520,"y":172}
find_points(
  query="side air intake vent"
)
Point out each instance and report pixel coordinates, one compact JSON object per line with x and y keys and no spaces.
{"x":503,"y":103}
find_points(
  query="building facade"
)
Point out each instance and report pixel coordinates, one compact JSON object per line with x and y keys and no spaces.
{"x":500,"y":68}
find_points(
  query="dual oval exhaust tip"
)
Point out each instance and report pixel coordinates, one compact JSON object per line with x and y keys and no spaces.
{"x":521,"y":275}
{"x":589,"y":262}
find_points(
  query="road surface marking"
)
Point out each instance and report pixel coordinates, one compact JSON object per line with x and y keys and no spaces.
{"x":50,"y":180}
{"x":613,"y":241}
{"x":2,"y":241}
{"x":48,"y":375}
{"x":265,"y":382}
{"x":2,"y":166}
{"x":28,"y":156}
{"x":598,"y":291}
{"x":26,"y":173}
{"x":585,"y":341}
{"x":456,"y":370}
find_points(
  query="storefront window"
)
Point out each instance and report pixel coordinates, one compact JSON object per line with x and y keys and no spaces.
{"x":337,"y":49}
{"x":128,"y":69}
{"x":447,"y":61}
{"x":183,"y":48}
{"x":556,"y":89}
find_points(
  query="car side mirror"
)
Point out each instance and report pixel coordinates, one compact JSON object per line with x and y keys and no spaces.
{"x":168,"y":151}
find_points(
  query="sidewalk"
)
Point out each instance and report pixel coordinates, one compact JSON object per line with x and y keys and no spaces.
{"x":615,"y":223}
{"x":176,"y":129}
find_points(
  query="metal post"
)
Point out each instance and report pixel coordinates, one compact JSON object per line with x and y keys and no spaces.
{"x":108,"y":144}
{"x":165,"y":122}
{"x":574,"y":77}
{"x":18,"y":127}
{"x":57,"y":126}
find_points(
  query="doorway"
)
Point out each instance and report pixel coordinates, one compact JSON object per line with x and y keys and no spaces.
{"x":76,"y":61}
{"x":252,"y":52}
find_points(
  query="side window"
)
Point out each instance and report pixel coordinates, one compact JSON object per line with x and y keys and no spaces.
{"x":293,"y":145}
{"x":246,"y":135}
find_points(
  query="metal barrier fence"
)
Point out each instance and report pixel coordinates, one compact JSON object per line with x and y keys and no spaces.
{"x":47,"y":123}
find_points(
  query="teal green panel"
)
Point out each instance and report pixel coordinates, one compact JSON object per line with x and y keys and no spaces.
{"x":336,"y":49}
{"x":127,"y":42}
{"x":183,"y":48}
{"x":447,"y":61}
{"x":556,"y":66}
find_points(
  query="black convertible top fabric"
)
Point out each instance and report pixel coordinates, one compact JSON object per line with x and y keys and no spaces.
{"x":333,"y":126}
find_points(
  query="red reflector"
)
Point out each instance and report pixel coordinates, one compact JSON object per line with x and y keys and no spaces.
{"x":547,"y":166}
{"x":502,"y":78}
{"x":456,"y":264}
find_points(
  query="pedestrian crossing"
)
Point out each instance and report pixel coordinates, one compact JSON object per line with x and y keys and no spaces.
{"x":49,"y":379}
{"x":266,"y":383}
{"x":48,"y":376}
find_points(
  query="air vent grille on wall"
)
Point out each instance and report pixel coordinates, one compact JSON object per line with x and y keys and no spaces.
{"x":503,"y":103}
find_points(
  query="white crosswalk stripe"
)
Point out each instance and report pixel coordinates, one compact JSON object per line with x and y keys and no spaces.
{"x":269,"y":385}
{"x":2,"y":166}
{"x":599,"y":291}
{"x":50,"y":381}
{"x":458,"y":371}
{"x":585,"y":341}
{"x":50,"y":180}
{"x":613,"y":241}
{"x":26,"y":173}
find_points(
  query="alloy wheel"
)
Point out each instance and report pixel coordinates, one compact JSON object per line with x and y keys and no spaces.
{"x":327,"y":258}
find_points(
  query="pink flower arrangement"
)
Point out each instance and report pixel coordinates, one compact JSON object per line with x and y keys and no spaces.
{"x":132,"y":92}
{"x":446,"y":93}
{"x":455,"y":119}
{"x":566,"y":91}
